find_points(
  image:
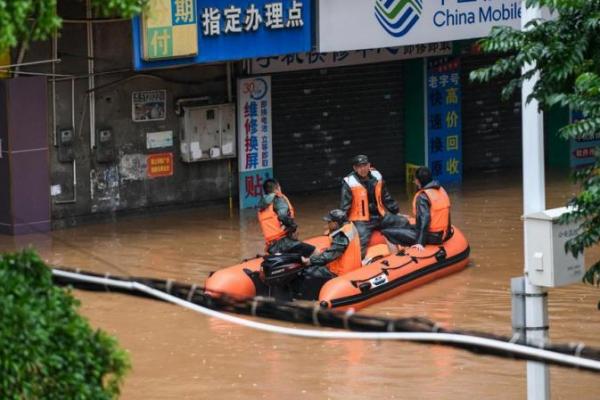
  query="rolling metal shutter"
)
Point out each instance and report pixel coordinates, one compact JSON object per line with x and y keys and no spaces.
{"x":322,"y":118}
{"x":491,"y":127}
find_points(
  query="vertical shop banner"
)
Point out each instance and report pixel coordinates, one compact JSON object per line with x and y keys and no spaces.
{"x":583,"y":150}
{"x":444,"y":121}
{"x":254,"y":140}
{"x":224,"y":30}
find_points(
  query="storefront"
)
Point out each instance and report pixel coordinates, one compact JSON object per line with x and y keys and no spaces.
{"x":328,"y":107}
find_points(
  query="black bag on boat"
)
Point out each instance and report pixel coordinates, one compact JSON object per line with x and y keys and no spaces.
{"x":281,"y":269}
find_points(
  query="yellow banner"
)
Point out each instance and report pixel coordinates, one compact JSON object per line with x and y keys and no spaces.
{"x":4,"y":60}
{"x":169,"y":29}
{"x":410,"y":176}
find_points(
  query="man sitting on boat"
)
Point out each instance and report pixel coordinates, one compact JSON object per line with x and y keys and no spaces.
{"x":431,"y":208}
{"x":343,"y":255}
{"x":367,"y":203}
{"x":276,"y":217}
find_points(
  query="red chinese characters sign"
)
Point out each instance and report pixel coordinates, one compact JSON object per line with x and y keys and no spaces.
{"x":160,"y":165}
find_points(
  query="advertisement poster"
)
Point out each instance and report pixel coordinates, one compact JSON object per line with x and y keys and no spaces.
{"x":149,"y":105}
{"x":169,"y":29}
{"x":444,"y":119}
{"x":254,"y":138}
{"x":160,"y":165}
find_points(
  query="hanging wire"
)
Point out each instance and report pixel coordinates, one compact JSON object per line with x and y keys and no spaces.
{"x":360,"y":326}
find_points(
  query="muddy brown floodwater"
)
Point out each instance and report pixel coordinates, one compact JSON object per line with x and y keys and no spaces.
{"x":178,"y":354}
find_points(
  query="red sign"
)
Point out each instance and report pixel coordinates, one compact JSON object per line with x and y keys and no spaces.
{"x":160,"y":165}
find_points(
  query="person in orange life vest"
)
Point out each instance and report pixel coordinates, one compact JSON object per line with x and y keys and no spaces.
{"x":431,"y":207}
{"x":367,"y":203}
{"x":343,"y":255}
{"x":276,"y":218}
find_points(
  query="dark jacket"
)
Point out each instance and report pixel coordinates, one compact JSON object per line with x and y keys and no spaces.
{"x":281,"y":208}
{"x":339,"y":243}
{"x":388,"y":202}
{"x":423,"y":217}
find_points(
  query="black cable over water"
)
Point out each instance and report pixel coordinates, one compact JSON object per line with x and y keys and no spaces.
{"x":322,"y":317}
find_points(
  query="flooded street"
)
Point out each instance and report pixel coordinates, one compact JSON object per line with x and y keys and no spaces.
{"x":178,"y":354}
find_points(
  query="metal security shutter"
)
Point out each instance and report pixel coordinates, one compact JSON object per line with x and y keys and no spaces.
{"x":491,"y":127}
{"x":322,"y":118}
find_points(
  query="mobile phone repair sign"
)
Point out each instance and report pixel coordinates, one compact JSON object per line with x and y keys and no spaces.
{"x":389,"y":23}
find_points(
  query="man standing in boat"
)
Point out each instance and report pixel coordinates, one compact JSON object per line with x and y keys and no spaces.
{"x":276,"y":217}
{"x":367,"y":203}
{"x":343,"y":255}
{"x":431,"y":208}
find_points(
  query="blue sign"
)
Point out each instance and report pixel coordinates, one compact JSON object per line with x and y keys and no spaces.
{"x":238,"y":29}
{"x":251,"y":186}
{"x":444,"y":119}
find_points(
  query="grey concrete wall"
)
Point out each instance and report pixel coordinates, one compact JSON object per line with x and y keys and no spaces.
{"x":103,"y":189}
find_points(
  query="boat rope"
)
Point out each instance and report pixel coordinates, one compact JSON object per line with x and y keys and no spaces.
{"x":361,"y":326}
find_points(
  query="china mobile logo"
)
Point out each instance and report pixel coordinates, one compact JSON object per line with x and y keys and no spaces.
{"x":398,"y":17}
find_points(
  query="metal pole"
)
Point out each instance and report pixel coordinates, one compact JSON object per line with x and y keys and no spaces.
{"x":536,"y":312}
{"x":91,"y":81}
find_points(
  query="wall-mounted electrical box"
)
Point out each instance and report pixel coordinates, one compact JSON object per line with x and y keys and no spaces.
{"x":547,"y":263}
{"x":105,"y":146}
{"x":208,"y":132}
{"x":65,"y":145}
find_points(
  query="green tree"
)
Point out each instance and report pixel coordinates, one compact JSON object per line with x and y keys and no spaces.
{"x":24,"y":21}
{"x":47,"y":350}
{"x":565,"y":52}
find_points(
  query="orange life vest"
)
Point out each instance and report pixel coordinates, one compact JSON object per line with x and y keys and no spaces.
{"x":359,"y":210}
{"x":439,"y":209}
{"x":271,"y":226}
{"x":351,"y":259}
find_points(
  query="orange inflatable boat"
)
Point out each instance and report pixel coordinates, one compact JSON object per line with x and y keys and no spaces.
{"x":383,"y":275}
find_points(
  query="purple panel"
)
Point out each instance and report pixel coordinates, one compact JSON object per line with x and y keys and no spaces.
{"x":27,"y":113}
{"x":5,"y":204}
{"x":30,"y":196}
{"x":5,"y":218}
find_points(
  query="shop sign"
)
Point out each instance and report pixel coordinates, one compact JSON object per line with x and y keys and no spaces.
{"x":444,"y":119}
{"x":583,"y":150}
{"x":238,"y":29}
{"x":169,"y":29}
{"x":160,"y":164}
{"x":156,"y":140}
{"x":303,"y":61}
{"x":361,"y":24}
{"x":254,"y":139}
{"x":149,"y":105}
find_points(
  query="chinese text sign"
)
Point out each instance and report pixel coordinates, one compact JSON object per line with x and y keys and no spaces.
{"x":236,"y":29}
{"x":444,"y":121}
{"x":254,"y":139}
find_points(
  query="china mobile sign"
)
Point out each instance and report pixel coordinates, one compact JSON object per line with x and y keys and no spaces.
{"x":254,"y":138}
{"x":388,"y":23}
{"x":232,"y":30}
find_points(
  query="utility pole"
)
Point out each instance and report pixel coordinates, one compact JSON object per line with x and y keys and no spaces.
{"x":534,"y":200}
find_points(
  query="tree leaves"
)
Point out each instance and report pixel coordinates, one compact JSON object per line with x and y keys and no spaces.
{"x":565,"y":53}
{"x":48,"y":351}
{"x":22,"y":21}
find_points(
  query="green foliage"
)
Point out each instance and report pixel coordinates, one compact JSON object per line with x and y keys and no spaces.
{"x":565,"y":52}
{"x":23,"y":21}
{"x":47,"y":350}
